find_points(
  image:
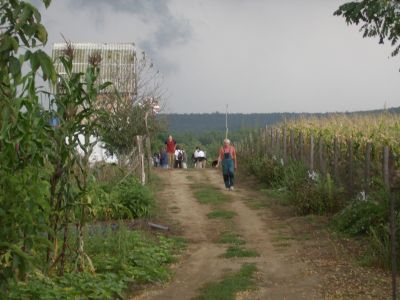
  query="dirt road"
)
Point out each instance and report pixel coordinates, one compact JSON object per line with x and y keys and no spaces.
{"x":202,"y":262}
{"x":284,"y":271}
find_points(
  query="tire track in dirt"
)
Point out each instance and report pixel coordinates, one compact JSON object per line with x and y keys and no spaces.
{"x":200,"y":263}
{"x":280,"y":275}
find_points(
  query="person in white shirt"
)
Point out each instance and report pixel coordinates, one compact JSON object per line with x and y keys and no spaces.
{"x":178,"y":157}
{"x":199,"y":158}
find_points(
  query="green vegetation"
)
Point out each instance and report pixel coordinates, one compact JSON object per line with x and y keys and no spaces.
{"x":207,"y":194}
{"x":339,"y":185}
{"x":220,"y":213}
{"x":279,"y":194}
{"x":120,"y":257}
{"x":237,"y":251}
{"x":51,"y":196}
{"x":378,"y":18}
{"x":227,"y":288}
{"x":230,"y":238}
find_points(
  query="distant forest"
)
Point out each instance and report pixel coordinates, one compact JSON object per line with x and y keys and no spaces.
{"x":186,"y":123}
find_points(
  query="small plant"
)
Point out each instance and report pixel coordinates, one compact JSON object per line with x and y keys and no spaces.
{"x":209,"y":195}
{"x":310,"y":192}
{"x":230,"y":238}
{"x":134,"y":196}
{"x":228,"y":287}
{"x":360,"y":216}
{"x":269,"y":171}
{"x":237,"y":251}
{"x":222,"y":214}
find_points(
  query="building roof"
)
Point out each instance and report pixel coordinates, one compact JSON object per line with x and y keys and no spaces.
{"x":117,"y":63}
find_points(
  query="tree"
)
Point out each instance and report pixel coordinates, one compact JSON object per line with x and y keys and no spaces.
{"x":23,"y":138}
{"x":379,"y":18}
{"x":132,"y":116}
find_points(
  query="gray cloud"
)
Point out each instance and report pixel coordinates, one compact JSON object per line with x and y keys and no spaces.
{"x":171,"y":31}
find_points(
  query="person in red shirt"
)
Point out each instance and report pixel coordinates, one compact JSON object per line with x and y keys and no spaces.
{"x":227,"y":157}
{"x":171,"y":147}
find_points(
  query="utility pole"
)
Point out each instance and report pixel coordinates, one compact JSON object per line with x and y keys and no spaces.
{"x":226,"y":122}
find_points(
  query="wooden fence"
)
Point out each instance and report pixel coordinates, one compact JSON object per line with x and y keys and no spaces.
{"x":140,"y":158}
{"x":355,"y":165}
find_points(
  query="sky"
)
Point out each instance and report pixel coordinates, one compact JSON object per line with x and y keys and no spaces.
{"x":256,"y":56}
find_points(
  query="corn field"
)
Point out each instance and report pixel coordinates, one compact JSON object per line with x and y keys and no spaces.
{"x":358,"y":152}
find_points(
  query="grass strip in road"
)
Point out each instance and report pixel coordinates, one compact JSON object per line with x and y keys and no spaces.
{"x":228,"y":237}
{"x":207,"y":194}
{"x":227,"y":288}
{"x":222,"y":214}
{"x":237,"y":251}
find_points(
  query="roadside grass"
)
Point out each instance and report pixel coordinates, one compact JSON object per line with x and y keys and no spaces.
{"x":276,"y":196}
{"x":207,"y":194}
{"x":227,"y":288}
{"x":257,"y":203}
{"x":237,"y":251}
{"x":228,"y":237}
{"x":156,"y":183}
{"x":221,"y":214}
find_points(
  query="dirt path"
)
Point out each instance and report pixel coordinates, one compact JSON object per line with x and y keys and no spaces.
{"x":279,"y":276}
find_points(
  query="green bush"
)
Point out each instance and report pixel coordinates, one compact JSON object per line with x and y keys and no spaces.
{"x":121,"y":258}
{"x":137,"y":198}
{"x":105,"y":208}
{"x":267,"y":170}
{"x":302,"y":192}
{"x":70,"y":286}
{"x":310,"y":192}
{"x":360,"y":216}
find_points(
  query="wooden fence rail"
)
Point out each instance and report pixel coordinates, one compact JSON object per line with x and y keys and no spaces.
{"x":353,"y":165}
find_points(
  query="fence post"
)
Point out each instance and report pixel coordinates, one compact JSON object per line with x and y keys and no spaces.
{"x":292,"y":148}
{"x":149,"y":156}
{"x":391,"y":182}
{"x":335,"y":159}
{"x":265,"y":141}
{"x":311,"y":151}
{"x":284,"y":146}
{"x":367,"y":167}
{"x":351,"y":165}
{"x":277,"y":150}
{"x":251,"y":144}
{"x":386,"y":167}
{"x":320,"y":154}
{"x":271,"y":148}
{"x":139,"y":141}
{"x":301,"y":146}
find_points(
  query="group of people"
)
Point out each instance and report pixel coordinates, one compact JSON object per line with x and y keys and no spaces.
{"x":172,"y":156}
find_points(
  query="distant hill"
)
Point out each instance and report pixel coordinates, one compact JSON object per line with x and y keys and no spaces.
{"x":181,"y":123}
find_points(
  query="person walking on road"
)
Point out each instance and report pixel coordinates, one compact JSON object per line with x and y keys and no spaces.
{"x":227,"y":158}
{"x":163,"y":158}
{"x":171,"y":147}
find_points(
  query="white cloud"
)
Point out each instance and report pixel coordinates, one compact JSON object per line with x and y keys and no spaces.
{"x":256,"y":56}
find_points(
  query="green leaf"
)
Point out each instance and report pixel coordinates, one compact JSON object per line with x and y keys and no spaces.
{"x":47,"y":3}
{"x":7,"y":44}
{"x":25,"y":15}
{"x":41,"y":33}
{"x":15,"y":66}
{"x":35,"y":63}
